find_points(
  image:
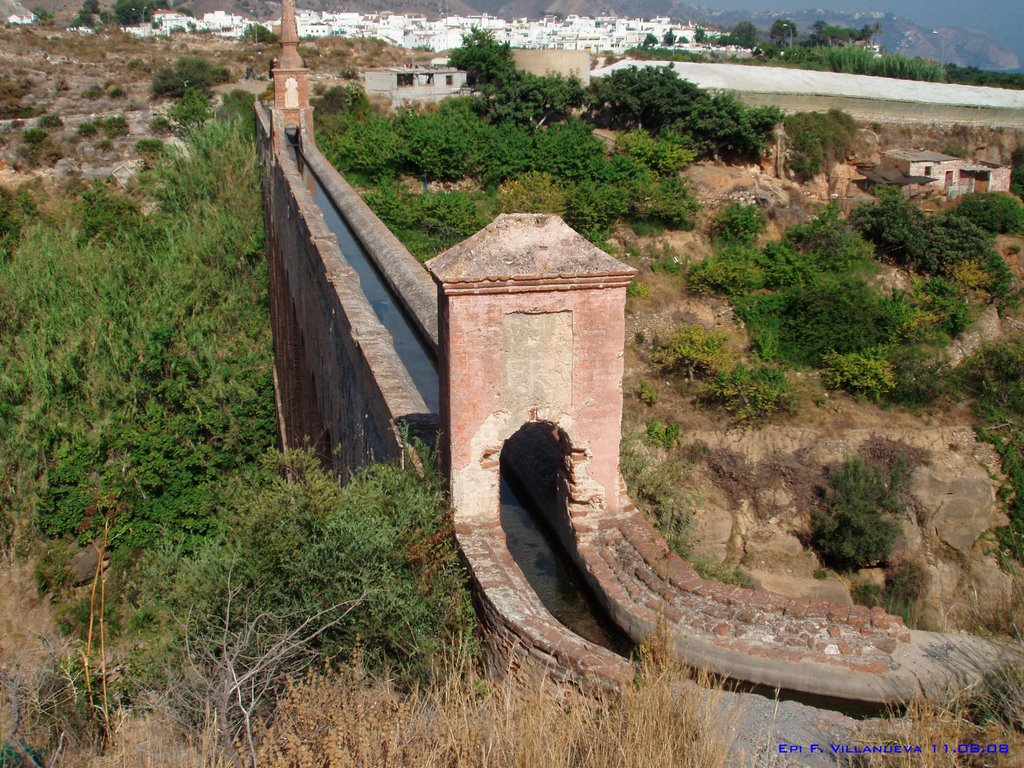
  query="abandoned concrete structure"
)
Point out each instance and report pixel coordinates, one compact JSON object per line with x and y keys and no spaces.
{"x":922,"y":172}
{"x":526,"y":325}
{"x":401,"y":85}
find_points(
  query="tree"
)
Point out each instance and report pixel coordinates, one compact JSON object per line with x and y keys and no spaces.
{"x":187,"y":72}
{"x":894,"y":224}
{"x":483,"y":57}
{"x":669,"y":39}
{"x":692,"y":351}
{"x":650,"y":41}
{"x":700,"y":36}
{"x":531,"y":100}
{"x":783,"y":31}
{"x":257,"y":33}
{"x":744,"y":35}
{"x":43,"y":17}
{"x":856,"y":527}
{"x":130,"y":12}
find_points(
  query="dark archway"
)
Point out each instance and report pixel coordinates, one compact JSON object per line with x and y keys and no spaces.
{"x":534,"y":517}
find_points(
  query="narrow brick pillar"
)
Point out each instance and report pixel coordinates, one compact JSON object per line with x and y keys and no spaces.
{"x":531,"y":328}
{"x":291,"y":78}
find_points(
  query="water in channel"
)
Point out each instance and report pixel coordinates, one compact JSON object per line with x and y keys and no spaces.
{"x":413,"y":351}
{"x":536,"y":551}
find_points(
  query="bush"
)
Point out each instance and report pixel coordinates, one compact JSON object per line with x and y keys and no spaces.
{"x":921,"y":377}
{"x":856,"y":527}
{"x":188,"y":72}
{"x":733,"y":272}
{"x":864,"y":373}
{"x":665,"y":155}
{"x":289,"y":530}
{"x":665,"y":201}
{"x":831,"y":314}
{"x":818,"y":140}
{"x":88,"y":129}
{"x":750,"y":394}
{"x":107,"y":214}
{"x":117,"y":92}
{"x":161,"y":126}
{"x":738,"y":223}
{"x":533,"y":192}
{"x":647,"y":393}
{"x":834,"y":245}
{"x":34,"y":137}
{"x":191,"y":110}
{"x":93,"y":92}
{"x":662,"y":434}
{"x":993,"y":212}
{"x":693,"y":351}
{"x":115,"y":126}
{"x":50,"y":122}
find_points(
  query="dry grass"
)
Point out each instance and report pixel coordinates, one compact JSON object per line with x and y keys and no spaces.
{"x":348,"y":721}
{"x":943,"y":725}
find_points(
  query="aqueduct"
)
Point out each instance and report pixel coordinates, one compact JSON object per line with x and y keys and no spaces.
{"x":524,"y":322}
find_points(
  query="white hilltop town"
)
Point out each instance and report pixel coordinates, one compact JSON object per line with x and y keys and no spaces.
{"x":573,"y":33}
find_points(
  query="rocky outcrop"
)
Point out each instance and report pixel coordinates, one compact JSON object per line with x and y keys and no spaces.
{"x":759,"y":487}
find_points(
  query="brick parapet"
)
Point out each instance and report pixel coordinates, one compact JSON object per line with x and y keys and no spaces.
{"x":341,"y":386}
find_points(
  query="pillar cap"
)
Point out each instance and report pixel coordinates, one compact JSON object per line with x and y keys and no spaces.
{"x":527,"y":252}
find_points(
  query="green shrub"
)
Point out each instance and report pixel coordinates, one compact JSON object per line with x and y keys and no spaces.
{"x":533,"y":192}
{"x":786,"y":267}
{"x":647,"y":393}
{"x":150,"y":150}
{"x":666,"y":154}
{"x":662,"y":434}
{"x":666,"y":201}
{"x":34,"y":137}
{"x":300,"y":544}
{"x":88,"y":129}
{"x":994,"y":212}
{"x":115,"y":126}
{"x":817,"y":140}
{"x":738,"y":223}
{"x":161,"y":126}
{"x":732,"y":272}
{"x":750,"y":394}
{"x":922,"y":377}
{"x":117,"y":92}
{"x":50,"y":122}
{"x":864,"y":373}
{"x":692,"y":350}
{"x":191,"y":110}
{"x":856,"y":526}
{"x":834,"y":245}
{"x":347,"y":100}
{"x":638,"y":290}
{"x":832,"y":314}
{"x":93,"y":92}
{"x":237,"y":105}
{"x":591,"y":208}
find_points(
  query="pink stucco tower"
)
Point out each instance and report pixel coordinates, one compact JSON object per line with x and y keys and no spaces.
{"x":291,"y":78}
{"x":531,"y":328}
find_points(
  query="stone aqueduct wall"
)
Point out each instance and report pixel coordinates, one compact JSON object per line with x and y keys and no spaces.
{"x":341,"y":385}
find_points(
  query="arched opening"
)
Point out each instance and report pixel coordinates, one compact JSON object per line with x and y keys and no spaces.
{"x":534,"y":485}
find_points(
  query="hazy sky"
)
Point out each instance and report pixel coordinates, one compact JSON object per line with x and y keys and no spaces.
{"x":1002,"y":19}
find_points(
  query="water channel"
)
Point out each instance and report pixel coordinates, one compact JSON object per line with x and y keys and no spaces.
{"x":534,"y":547}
